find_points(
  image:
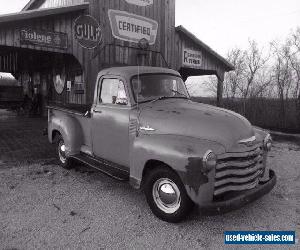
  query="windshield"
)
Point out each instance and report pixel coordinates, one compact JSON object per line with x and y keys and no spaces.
{"x":158,"y":86}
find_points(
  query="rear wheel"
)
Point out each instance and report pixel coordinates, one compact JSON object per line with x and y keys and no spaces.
{"x":166,"y":195}
{"x":64,"y":161}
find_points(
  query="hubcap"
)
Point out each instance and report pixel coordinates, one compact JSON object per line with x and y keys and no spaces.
{"x":62,"y":151}
{"x":166,"y":195}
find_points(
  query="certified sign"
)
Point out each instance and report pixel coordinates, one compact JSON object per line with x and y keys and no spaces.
{"x":140,"y":2}
{"x":132,"y":28}
{"x":192,"y":58}
{"x":87,"y":32}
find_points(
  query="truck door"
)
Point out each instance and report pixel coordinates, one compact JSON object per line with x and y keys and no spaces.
{"x":110,"y":122}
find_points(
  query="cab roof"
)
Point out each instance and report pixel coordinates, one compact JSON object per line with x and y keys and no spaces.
{"x":130,"y":71}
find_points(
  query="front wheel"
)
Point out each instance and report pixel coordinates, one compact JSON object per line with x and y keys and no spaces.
{"x":166,"y":195}
{"x":64,"y":161}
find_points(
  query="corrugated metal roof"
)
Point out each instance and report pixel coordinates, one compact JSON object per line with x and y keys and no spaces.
{"x":29,"y":4}
{"x":187,"y":33}
{"x":24,"y":15}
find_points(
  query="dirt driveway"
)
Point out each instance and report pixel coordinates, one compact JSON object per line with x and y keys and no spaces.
{"x":43,"y":206}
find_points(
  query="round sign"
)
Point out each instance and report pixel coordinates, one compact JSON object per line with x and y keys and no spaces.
{"x":87,"y":32}
{"x":59,"y":84}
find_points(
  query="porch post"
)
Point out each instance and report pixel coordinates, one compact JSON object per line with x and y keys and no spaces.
{"x":220,"y":88}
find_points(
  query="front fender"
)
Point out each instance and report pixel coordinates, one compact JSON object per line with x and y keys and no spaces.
{"x":260,"y":133}
{"x":69,"y":128}
{"x":182,"y":154}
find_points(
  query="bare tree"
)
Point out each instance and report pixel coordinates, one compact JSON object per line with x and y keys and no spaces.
{"x":294,"y":59}
{"x":257,"y":74}
{"x":262,"y":87}
{"x":234,"y":79}
{"x":282,"y":75}
{"x":211,"y":84}
{"x":253,"y":62}
{"x":201,"y":85}
{"x":244,"y":80}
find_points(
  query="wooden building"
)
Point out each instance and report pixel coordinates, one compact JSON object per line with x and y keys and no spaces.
{"x":59,"y":46}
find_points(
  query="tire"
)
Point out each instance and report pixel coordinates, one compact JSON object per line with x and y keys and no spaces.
{"x":64,"y":161}
{"x":171,"y":204}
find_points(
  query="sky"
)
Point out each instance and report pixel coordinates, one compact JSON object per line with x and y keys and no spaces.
{"x":225,"y":24}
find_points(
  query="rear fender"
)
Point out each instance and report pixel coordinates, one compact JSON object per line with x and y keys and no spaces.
{"x":69,"y":128}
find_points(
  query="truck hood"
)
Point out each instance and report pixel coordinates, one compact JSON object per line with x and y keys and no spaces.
{"x":186,"y":118}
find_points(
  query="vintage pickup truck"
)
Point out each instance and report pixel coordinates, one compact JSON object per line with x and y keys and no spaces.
{"x":143,"y":128}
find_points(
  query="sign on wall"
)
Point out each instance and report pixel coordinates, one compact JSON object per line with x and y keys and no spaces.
{"x":59,"y":83}
{"x":44,"y":38}
{"x":132,"y":28}
{"x":69,"y":86}
{"x":87,"y":32}
{"x":140,"y":2}
{"x":192,"y":58}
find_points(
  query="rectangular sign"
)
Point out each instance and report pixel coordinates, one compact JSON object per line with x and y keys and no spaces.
{"x":260,"y":237}
{"x":69,"y":86}
{"x":132,"y":28}
{"x":192,"y":58}
{"x":44,"y":38}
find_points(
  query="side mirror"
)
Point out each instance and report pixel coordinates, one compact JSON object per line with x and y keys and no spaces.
{"x":87,"y":114}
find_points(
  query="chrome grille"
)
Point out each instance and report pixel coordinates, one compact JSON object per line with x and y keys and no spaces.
{"x":239,"y":171}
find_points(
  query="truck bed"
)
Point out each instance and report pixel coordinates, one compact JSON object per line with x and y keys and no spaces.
{"x":79,"y":109}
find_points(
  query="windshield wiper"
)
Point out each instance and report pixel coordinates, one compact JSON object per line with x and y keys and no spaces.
{"x":156,"y":99}
{"x":166,"y":97}
{"x":161,"y":98}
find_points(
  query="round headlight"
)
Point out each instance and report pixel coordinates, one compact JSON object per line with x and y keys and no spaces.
{"x":209,"y":161}
{"x":268,"y":142}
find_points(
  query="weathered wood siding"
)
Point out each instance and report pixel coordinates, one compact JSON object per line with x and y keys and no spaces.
{"x":162,"y":11}
{"x":112,"y":51}
{"x":20,"y":60}
{"x":10,"y":36}
{"x":209,"y":62}
{"x":8,"y":62}
{"x":166,"y":51}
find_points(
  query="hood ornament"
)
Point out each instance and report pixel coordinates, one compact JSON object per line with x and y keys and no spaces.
{"x":148,"y":129}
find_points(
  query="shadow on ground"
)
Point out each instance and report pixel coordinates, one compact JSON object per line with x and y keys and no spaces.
{"x":22,"y":139}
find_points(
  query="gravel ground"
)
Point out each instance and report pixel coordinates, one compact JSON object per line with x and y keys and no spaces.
{"x":43,"y":206}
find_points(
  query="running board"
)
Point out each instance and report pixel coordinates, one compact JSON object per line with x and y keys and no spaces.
{"x":103,"y":166}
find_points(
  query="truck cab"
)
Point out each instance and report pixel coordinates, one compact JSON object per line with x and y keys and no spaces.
{"x":143,"y":128}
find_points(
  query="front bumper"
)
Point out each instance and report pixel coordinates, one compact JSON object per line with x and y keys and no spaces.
{"x":219,"y":207}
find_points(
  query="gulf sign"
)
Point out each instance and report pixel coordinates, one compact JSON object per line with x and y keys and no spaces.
{"x":192,"y":58}
{"x":87,"y":32}
{"x":132,"y":28}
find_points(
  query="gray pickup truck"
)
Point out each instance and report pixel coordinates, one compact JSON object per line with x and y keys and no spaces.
{"x":143,"y":128}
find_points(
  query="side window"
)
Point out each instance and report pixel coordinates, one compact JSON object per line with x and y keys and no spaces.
{"x":113,"y":92}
